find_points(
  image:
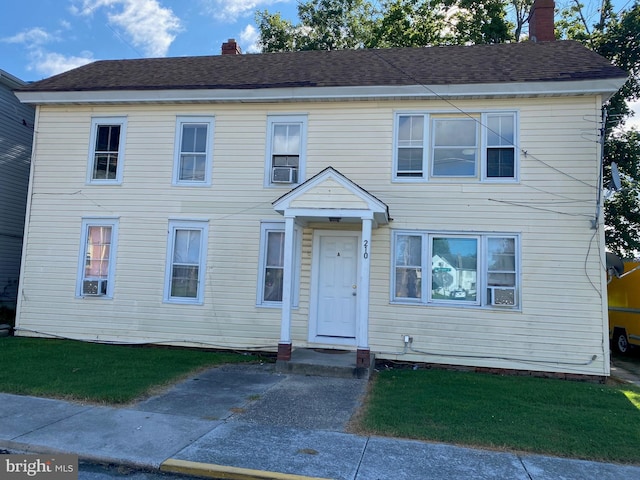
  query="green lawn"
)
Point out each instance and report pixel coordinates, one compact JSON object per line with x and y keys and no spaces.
{"x":556,"y":417}
{"x":548,"y":416}
{"x":97,"y":372}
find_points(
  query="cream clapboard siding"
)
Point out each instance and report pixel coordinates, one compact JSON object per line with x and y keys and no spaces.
{"x":561,"y":318}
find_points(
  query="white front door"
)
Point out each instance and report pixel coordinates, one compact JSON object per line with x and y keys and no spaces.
{"x":336,"y":285}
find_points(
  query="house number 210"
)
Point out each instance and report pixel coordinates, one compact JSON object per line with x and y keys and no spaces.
{"x":366,"y":254}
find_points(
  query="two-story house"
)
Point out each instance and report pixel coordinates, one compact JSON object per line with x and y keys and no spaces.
{"x":306,"y":200}
{"x":16,"y":136}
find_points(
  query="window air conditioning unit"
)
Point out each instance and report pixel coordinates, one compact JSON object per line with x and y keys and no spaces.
{"x":284,"y":174}
{"x":503,"y":296}
{"x":94,"y":287}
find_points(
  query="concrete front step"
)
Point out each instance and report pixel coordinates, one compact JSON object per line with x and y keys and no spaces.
{"x":324,"y":363}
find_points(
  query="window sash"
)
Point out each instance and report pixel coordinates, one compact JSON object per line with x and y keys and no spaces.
{"x":410,"y":146}
{"x":97,"y":256}
{"x":286,"y":143}
{"x":500,"y":146}
{"x":193,"y":151}
{"x":274,"y":266}
{"x":454,"y":152}
{"x":97,"y":253}
{"x":271,"y":273}
{"x":107,"y":150}
{"x":454,"y":268}
{"x":186,"y":249}
{"x":286,"y":146}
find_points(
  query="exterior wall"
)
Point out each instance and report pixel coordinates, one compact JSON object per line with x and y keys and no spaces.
{"x":15,"y":158}
{"x":559,"y":326}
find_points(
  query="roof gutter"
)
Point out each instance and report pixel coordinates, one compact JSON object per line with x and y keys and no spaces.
{"x":604,"y":87}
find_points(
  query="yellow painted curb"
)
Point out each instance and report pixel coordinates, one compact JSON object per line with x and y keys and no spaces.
{"x":211,"y":470}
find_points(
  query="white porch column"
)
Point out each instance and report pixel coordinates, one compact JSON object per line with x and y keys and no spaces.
{"x":362,"y":334}
{"x":284,"y":346}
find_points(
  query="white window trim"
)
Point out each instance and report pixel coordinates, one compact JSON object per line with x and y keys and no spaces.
{"x":174,"y":225}
{"x":482,"y":273}
{"x":277,"y":119}
{"x":97,"y":222}
{"x":266,"y":227}
{"x":98,"y":121}
{"x":180,"y":121}
{"x":481,"y":165}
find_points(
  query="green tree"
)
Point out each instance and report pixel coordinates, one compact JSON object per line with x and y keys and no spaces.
{"x":616,"y":38}
{"x":622,"y":209}
{"x":324,"y":25}
{"x":410,"y":23}
{"x":479,"y":22}
{"x":276,"y":33}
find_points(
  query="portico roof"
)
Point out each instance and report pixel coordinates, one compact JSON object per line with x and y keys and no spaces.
{"x":329,"y":196}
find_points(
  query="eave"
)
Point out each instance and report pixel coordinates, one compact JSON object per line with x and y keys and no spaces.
{"x":603,"y":87}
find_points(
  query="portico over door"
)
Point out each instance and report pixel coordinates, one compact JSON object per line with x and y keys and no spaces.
{"x":339,"y":303}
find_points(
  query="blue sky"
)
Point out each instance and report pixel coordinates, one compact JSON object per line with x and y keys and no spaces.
{"x":40,"y":38}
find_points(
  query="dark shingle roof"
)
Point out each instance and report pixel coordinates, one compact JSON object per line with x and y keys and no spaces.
{"x":516,"y":62}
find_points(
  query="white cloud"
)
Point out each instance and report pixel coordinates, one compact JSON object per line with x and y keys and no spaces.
{"x":232,"y":10}
{"x":43,"y":61}
{"x":249,"y":36}
{"x":31,"y":38}
{"x":51,"y":63}
{"x":146,"y":24}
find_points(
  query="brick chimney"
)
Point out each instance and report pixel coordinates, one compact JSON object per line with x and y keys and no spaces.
{"x":231,"y":48}
{"x":541,"y":26}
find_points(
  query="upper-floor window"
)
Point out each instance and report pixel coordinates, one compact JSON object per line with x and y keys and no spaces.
{"x":193,"y":151}
{"x":186,"y":254}
{"x":435,"y":146}
{"x":96,"y":267}
{"x":456,"y":269}
{"x":106,"y":154}
{"x":500,"y":142}
{"x":286,"y":149}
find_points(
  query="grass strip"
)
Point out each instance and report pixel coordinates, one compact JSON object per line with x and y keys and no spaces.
{"x":92,"y":372}
{"x":538,"y":415}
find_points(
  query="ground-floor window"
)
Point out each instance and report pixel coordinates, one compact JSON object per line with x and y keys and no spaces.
{"x":271,"y":273}
{"x":96,"y":266}
{"x":186,"y":254}
{"x":456,"y":268}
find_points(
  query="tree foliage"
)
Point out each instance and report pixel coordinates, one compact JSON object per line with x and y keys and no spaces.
{"x":616,"y":37}
{"x":410,"y":23}
{"x":324,"y":25}
{"x":339,"y":24}
{"x":479,"y":22}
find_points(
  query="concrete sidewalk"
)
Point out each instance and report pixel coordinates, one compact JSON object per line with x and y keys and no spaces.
{"x":249,"y":422}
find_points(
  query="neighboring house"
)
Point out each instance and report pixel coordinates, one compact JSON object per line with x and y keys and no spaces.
{"x":16,"y":136}
{"x":298,"y":200}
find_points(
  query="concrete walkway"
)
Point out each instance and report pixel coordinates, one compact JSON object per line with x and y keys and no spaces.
{"x":248,"y":422}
